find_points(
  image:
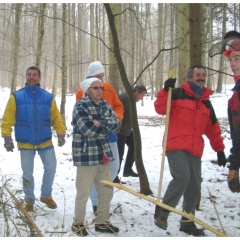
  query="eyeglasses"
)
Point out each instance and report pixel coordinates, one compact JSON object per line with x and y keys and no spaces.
{"x":96,"y":88}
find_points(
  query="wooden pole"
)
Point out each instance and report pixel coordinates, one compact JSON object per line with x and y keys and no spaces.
{"x":164,"y":143}
{"x":171,"y":209}
{"x":25,"y":212}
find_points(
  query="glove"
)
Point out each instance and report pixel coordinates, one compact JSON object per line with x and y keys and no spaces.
{"x":170,"y":83}
{"x":8,"y":143}
{"x":61,"y":139}
{"x":221,"y":159}
{"x":233,"y":181}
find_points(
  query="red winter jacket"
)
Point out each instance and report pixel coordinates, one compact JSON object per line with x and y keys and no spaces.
{"x":189,"y":119}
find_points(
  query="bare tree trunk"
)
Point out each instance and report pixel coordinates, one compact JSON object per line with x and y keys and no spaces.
{"x":41,"y":21}
{"x":113,"y":73}
{"x":144,"y":183}
{"x":221,"y":64}
{"x":64,"y":61}
{"x":55,"y":36}
{"x":16,"y":44}
{"x":195,"y":33}
{"x":183,"y":52}
{"x":159,"y":68}
{"x":210,"y":79}
{"x":92,"y":39}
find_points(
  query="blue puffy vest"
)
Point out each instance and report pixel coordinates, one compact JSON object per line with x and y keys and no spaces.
{"x":33,"y":120}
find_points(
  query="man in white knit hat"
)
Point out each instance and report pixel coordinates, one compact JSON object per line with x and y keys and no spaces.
{"x":96,"y":70}
{"x":92,"y":120}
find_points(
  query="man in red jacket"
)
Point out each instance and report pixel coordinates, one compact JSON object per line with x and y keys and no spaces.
{"x":230,"y":48}
{"x":191,"y":116}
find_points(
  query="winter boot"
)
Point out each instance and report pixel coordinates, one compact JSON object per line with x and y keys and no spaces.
{"x":190,"y":228}
{"x":106,"y":227}
{"x":49,"y":202}
{"x":29,"y":207}
{"x":161,"y":222}
{"x":79,"y":230}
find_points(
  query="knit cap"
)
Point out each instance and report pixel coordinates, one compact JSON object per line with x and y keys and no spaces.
{"x":95,"y":68}
{"x":88,"y":82}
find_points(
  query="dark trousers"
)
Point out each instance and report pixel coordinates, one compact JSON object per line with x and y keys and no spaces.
{"x":186,"y":172}
{"x":128,"y":140}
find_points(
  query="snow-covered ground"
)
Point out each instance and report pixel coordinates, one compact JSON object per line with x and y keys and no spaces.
{"x":133,"y":215}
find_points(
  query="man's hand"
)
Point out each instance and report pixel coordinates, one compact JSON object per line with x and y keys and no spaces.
{"x":8,"y":143}
{"x":221,"y":159}
{"x":170,"y":83}
{"x":96,"y":123}
{"x":233,"y":181}
{"x":61,"y":139}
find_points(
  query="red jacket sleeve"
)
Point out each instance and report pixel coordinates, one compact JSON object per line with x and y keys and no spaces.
{"x":160,"y":103}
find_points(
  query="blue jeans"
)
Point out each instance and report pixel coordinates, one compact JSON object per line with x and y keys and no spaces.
{"x":114,"y":166}
{"x":49,"y":161}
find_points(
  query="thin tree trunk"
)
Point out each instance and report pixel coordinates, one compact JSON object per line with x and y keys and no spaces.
{"x":41,"y":21}
{"x":55,"y":36}
{"x":113,"y":73}
{"x":144,"y":183}
{"x":64,"y":61}
{"x":16,"y":44}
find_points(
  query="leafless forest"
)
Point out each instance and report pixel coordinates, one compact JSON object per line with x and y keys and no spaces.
{"x":62,"y":39}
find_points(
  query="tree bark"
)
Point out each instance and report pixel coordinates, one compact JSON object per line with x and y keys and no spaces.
{"x":144,"y":183}
{"x":64,"y":61}
{"x":16,"y":44}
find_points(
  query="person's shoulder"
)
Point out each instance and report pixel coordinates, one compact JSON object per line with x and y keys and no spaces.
{"x":47,"y":92}
{"x":107,"y":85}
{"x":208,"y":91}
{"x":123,"y":95}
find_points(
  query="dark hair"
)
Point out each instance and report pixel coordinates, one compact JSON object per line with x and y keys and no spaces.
{"x":232,"y":34}
{"x":191,"y":69}
{"x":139,"y":89}
{"x":34,"y":68}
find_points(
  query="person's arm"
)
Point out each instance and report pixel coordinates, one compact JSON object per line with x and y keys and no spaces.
{"x":115,"y":102}
{"x":213,"y":131}
{"x":79,"y":94}
{"x":9,"y":117}
{"x":56,"y":119}
{"x":160,"y":103}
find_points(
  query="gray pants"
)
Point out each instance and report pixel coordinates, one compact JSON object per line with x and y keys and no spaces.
{"x":186,"y":172}
{"x":86,"y":177}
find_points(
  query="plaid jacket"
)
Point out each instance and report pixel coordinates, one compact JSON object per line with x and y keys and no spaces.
{"x":91,"y":141}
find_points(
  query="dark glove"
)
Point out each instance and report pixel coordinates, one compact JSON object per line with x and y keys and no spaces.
{"x":8,"y":143}
{"x":170,"y":83}
{"x":233,"y":181}
{"x":61,"y":139}
{"x":221,"y":159}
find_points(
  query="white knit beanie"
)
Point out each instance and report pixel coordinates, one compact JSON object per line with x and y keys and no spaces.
{"x":87,"y":83}
{"x":95,"y":68}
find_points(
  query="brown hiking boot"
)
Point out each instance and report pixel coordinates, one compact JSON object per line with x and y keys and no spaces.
{"x":161,"y":222}
{"x":29,"y":207}
{"x":191,"y":229}
{"x":49,"y":202}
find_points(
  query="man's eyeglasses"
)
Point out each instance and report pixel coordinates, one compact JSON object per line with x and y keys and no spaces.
{"x":96,"y":88}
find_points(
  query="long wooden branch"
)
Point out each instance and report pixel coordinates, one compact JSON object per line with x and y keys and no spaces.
{"x":25,"y":212}
{"x":171,"y":209}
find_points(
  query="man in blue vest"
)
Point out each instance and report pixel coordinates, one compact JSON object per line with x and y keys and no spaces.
{"x":32,"y":112}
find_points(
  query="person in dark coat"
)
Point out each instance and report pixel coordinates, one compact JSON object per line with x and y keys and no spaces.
{"x":125,"y":136}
